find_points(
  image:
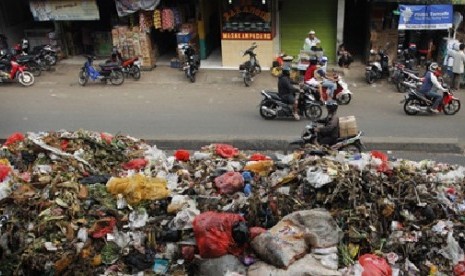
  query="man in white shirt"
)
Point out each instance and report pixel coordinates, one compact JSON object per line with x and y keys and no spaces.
{"x":311,"y":41}
{"x":457,"y":66}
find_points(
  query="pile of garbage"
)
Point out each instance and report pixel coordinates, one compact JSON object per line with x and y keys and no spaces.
{"x":89,"y":203}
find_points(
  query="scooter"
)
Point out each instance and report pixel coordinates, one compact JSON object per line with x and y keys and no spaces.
{"x":342,"y":94}
{"x":131,"y":67}
{"x":351,"y":144}
{"x":49,"y":52}
{"x":251,"y":67}
{"x":379,"y":68}
{"x":273,"y":106}
{"x":192,"y":63}
{"x":16,"y":73}
{"x":109,"y":71}
{"x":414,"y":103}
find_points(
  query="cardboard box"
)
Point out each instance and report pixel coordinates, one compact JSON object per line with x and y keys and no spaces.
{"x":347,"y":126}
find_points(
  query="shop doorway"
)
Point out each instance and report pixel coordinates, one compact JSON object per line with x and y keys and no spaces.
{"x":356,"y":32}
{"x":213,"y":42}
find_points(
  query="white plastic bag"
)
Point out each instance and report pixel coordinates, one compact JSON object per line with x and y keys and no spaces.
{"x":317,"y":178}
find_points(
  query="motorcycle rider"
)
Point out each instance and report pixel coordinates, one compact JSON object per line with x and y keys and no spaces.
{"x":329,"y":132}
{"x":287,"y":91}
{"x":309,"y":77}
{"x":326,"y":81}
{"x":427,"y":89}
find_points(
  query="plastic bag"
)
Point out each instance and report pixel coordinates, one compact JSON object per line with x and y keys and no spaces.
{"x":106,"y":137}
{"x":317,"y":178}
{"x":213,"y":234}
{"x":13,"y":138}
{"x":258,"y":157}
{"x":4,"y":172}
{"x":374,"y":265}
{"x":182,"y":155}
{"x":226,"y":151}
{"x":229,"y":182}
{"x":384,"y":165}
{"x":135,"y":164}
{"x":138,"y":187}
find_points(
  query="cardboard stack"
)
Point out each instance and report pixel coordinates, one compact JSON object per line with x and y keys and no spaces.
{"x":347,"y":126}
{"x":132,"y":42}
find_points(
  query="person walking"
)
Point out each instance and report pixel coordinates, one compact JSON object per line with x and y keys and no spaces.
{"x":457,"y":66}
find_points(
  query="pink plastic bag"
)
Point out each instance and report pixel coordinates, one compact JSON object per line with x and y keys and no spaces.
{"x":229,"y":182}
{"x":226,"y":151}
{"x":374,"y":265}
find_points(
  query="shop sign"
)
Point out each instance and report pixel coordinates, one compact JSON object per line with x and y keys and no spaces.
{"x":244,"y":10}
{"x":126,"y":7}
{"x":246,"y":36}
{"x":48,"y":10}
{"x":425,"y":17}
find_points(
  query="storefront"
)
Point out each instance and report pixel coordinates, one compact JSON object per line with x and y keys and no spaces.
{"x":244,"y":22}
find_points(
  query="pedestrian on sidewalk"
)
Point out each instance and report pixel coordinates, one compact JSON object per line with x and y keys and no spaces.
{"x":457,"y":66}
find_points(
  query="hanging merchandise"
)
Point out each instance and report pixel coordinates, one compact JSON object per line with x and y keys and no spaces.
{"x":177,"y":17}
{"x":157,"y":19}
{"x":167,"y":19}
{"x":145,"y":21}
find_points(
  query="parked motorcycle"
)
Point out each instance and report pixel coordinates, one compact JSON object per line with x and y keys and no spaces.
{"x":49,"y":52}
{"x":30,"y":61}
{"x":108,"y":71}
{"x":273,"y":106}
{"x":192,"y":63}
{"x":342,"y":94}
{"x":251,"y":67}
{"x":401,"y":75}
{"x":13,"y":72}
{"x":351,"y":144}
{"x":415,"y":102}
{"x":131,"y":67}
{"x":378,"y":68}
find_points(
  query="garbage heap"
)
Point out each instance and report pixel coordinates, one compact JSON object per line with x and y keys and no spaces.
{"x":89,"y":203}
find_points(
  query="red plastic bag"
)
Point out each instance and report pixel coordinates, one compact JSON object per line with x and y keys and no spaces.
{"x":64,"y":144}
{"x":374,"y":265}
{"x":13,"y":138}
{"x":106,"y":137}
{"x":459,"y":269}
{"x":102,"y":227}
{"x":258,"y":157}
{"x":384,"y":167}
{"x":135,"y":164}
{"x":213,"y":234}
{"x":182,"y":155}
{"x":4,"y":172}
{"x":226,"y":151}
{"x":229,"y":182}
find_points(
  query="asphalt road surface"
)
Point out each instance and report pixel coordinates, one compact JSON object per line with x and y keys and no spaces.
{"x":165,"y":105}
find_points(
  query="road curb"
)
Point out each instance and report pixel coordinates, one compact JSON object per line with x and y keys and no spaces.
{"x":391,"y":143}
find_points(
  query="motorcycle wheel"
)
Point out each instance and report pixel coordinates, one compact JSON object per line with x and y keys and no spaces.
{"x":83,"y":78}
{"x":191,"y":76}
{"x":313,"y":112}
{"x":345,"y":99}
{"x":26,"y":78}
{"x":258,"y":69}
{"x":264,"y":114}
{"x":407,"y":109}
{"x":247,"y":79}
{"x":352,"y":149}
{"x":116,"y":77}
{"x":400,"y":87}
{"x":45,"y":65}
{"x":136,"y":73}
{"x":370,"y":78}
{"x":34,"y":68}
{"x":452,"y":108}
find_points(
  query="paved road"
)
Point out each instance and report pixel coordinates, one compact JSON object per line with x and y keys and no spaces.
{"x":164,"y":106}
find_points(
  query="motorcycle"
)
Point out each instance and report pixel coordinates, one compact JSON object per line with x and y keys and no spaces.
{"x":251,"y":67}
{"x":108,"y":71}
{"x":400,"y":75}
{"x":131,"y":67}
{"x":351,"y":144}
{"x":342,"y":94}
{"x":273,"y":106}
{"x":49,"y":53}
{"x":379,"y":68}
{"x":192,"y":63}
{"x":30,"y":61}
{"x":16,"y":73}
{"x":414,"y":102}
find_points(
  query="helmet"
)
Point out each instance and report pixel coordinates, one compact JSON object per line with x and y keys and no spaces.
{"x":412,"y":46}
{"x":3,"y":52}
{"x":331,"y":107}
{"x":433,"y":66}
{"x":324,"y":59}
{"x":286,"y":70}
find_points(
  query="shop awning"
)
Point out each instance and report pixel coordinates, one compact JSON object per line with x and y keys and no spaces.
{"x":126,"y":7}
{"x":47,"y":10}
{"x":425,"y":17}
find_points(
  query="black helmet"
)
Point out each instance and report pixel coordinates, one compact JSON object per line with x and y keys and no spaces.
{"x":331,"y":107}
{"x":286,"y":70}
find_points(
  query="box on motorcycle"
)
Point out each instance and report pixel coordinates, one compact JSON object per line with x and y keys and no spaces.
{"x":347,"y":126}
